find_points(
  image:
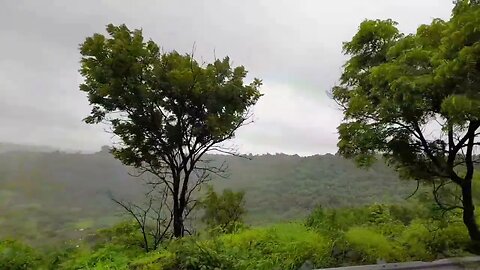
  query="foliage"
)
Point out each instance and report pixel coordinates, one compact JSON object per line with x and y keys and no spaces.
{"x":223,"y":212}
{"x":17,"y":256}
{"x":165,"y":108}
{"x":372,"y":245}
{"x":416,"y":238}
{"x":42,"y":197}
{"x":414,"y":99}
{"x":328,"y":238}
{"x":125,"y":233}
{"x":109,"y":256}
{"x":157,"y":260}
{"x":331,"y":220}
{"x":368,"y":234}
{"x":285,"y":246}
{"x":205,"y":255}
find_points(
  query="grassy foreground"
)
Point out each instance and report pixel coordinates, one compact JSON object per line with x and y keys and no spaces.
{"x":327,"y":238}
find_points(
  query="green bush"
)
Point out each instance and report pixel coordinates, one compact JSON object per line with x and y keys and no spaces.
{"x":372,"y":246}
{"x":125,"y":233}
{"x":334,"y":220}
{"x":15,"y":256}
{"x":416,"y":239}
{"x":408,"y":212}
{"x":199,"y":255}
{"x":109,"y":256}
{"x":223,"y":213}
{"x":449,"y":240}
{"x":284,"y":246}
{"x":379,"y":214}
{"x":156,"y":260}
{"x":429,"y":239}
{"x":329,"y":237}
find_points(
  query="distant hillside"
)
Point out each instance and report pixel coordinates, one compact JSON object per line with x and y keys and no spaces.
{"x":52,"y":196}
{"x":12,"y":147}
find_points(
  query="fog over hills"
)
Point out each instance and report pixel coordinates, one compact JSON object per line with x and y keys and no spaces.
{"x":50,"y":194}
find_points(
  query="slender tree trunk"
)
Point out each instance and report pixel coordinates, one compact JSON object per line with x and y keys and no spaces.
{"x":179,"y":215}
{"x":177,"y":220}
{"x":469,"y":211}
{"x":145,"y":240}
{"x":177,"y":210}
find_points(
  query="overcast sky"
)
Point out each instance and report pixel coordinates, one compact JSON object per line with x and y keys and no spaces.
{"x":294,"y":46}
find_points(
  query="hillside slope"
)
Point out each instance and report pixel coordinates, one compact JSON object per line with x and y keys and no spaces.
{"x":57,"y":195}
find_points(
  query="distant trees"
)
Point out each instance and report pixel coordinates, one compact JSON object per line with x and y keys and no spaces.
{"x":225,"y":211}
{"x":166,"y":109}
{"x":415,"y":99}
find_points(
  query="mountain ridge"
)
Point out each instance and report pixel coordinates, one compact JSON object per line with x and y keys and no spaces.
{"x":60,"y":192}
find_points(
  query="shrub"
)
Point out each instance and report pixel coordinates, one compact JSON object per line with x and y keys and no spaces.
{"x":448,"y":240}
{"x":317,"y":219}
{"x":334,"y":220}
{"x":223,"y":213}
{"x":379,"y":214}
{"x":199,"y":255}
{"x":285,"y":246}
{"x":156,"y":260}
{"x":408,"y":212}
{"x":415,"y":238}
{"x":372,"y":245}
{"x":125,"y":233}
{"x":428,"y":239}
{"x":15,"y":256}
{"x":109,"y":256}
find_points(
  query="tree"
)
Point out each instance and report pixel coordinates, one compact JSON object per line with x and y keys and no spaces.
{"x":223,"y":211}
{"x":416,"y":100}
{"x":166,"y":109}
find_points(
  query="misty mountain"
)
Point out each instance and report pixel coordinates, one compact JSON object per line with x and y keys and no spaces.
{"x":12,"y":147}
{"x":58,"y":195}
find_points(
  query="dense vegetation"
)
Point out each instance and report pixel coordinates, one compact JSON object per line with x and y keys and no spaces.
{"x":341,"y":232}
{"x":415,"y":100}
{"x":271,"y":212}
{"x":166,"y":109}
{"x":43,"y":194}
{"x":325,"y":238}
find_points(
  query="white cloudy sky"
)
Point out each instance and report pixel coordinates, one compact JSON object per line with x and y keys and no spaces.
{"x":294,"y":46}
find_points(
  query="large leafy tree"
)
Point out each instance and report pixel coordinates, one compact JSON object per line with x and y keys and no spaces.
{"x":166,"y":109}
{"x":416,"y":100}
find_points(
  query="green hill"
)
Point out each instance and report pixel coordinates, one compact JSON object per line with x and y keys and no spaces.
{"x":57,"y":196}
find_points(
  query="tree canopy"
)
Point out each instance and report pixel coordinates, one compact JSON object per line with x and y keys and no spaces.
{"x":167,"y":109}
{"x":416,"y":100}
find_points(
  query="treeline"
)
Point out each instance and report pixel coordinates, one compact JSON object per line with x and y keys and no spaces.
{"x":43,"y":194}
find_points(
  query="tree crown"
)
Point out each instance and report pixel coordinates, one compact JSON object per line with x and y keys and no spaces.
{"x":396,"y":87}
{"x":161,"y":103}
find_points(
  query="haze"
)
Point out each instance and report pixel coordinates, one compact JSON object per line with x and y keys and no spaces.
{"x":294,"y":46}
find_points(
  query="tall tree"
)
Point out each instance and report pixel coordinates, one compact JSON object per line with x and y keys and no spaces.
{"x":166,"y":108}
{"x":416,"y":100}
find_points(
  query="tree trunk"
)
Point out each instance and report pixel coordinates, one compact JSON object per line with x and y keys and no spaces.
{"x":177,"y":220}
{"x":469,"y":212}
{"x":145,"y":241}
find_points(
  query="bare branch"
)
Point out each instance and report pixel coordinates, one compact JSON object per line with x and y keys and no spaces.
{"x":415,"y":191}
